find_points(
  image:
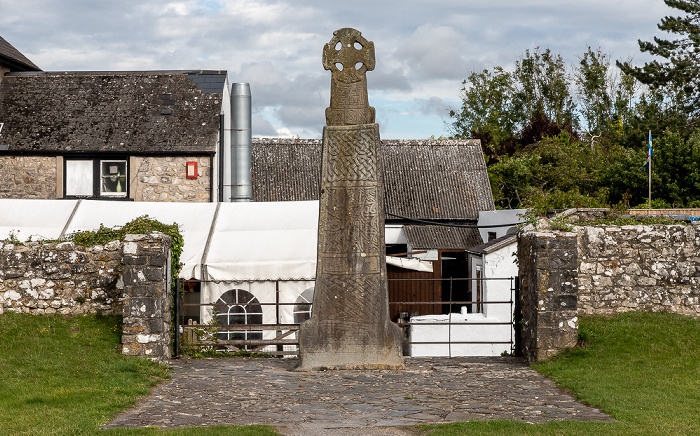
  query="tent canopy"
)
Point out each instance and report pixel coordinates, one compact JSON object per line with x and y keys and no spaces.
{"x":247,"y":241}
{"x":254,"y":241}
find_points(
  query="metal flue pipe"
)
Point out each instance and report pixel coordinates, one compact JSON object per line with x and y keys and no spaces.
{"x":241,"y":139}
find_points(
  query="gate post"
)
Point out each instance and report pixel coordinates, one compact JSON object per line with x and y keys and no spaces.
{"x":147,"y":297}
{"x":176,"y":321}
{"x":548,"y":266}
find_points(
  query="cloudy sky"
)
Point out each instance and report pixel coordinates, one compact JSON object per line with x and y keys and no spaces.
{"x":424,"y":49}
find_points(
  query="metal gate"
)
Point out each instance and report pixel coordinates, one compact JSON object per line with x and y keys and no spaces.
{"x":462,"y":327}
{"x":238,"y":322}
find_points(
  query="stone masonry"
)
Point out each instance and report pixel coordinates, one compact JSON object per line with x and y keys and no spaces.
{"x":147,"y":297}
{"x":548,"y":293}
{"x":163,"y":179}
{"x":602,"y":270}
{"x":154,"y":178}
{"x":639,"y":268}
{"x":129,"y":278}
{"x":28,"y":177}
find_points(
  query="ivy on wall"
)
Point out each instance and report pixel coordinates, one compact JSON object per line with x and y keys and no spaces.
{"x":142,"y":225}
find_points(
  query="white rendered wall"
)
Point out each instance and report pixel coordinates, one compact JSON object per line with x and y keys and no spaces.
{"x":456,"y":327}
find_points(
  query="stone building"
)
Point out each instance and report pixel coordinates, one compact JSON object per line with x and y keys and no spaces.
{"x":127,"y":135}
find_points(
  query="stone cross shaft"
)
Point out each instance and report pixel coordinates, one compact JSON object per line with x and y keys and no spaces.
{"x":349,"y":326}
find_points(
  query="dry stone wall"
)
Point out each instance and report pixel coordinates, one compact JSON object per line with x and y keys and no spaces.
{"x":129,"y":278}
{"x":63,"y":278}
{"x":602,"y":270}
{"x":639,"y":268}
{"x":28,"y":177}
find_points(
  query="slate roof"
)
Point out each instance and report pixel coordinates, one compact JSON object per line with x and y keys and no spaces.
{"x":14,"y":59}
{"x":430,"y":180}
{"x":125,"y":112}
{"x":496,"y":244}
{"x":425,"y":237}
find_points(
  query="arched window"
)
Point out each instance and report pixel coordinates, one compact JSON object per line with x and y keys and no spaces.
{"x":241,"y":307}
{"x":302,"y":308}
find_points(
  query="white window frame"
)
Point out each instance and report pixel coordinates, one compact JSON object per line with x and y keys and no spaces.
{"x":108,"y":180}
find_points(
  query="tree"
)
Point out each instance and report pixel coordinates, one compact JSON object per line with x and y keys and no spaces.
{"x":542,"y":87}
{"x":679,"y":76}
{"x":487,"y":111}
{"x":593,"y":82}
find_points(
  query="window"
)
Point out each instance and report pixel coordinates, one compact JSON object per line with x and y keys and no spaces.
{"x":302,"y":308}
{"x":240,"y":307}
{"x":492,"y":236}
{"x":96,"y":178}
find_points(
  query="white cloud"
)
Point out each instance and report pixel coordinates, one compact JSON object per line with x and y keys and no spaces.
{"x":424,"y":49}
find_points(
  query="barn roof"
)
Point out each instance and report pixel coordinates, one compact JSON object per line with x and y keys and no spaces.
{"x":125,"y":112}
{"x":14,"y":59}
{"x":423,"y":179}
{"x":426,"y":237}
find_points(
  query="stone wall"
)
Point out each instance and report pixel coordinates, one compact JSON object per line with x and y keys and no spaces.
{"x":161,"y":178}
{"x":548,"y":288}
{"x":639,"y":268}
{"x":602,"y":270}
{"x":28,"y":177}
{"x":129,"y":278}
{"x":164,"y":179}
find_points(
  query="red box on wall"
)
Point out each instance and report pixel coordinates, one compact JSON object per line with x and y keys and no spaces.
{"x":191,"y":170}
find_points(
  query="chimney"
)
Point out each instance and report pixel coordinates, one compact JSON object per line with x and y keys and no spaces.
{"x":241,"y":139}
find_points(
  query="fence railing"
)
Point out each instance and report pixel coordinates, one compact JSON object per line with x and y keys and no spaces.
{"x":251,"y":334}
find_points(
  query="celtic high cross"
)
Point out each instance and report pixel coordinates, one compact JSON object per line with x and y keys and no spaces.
{"x":350,"y":326}
{"x":348,"y":55}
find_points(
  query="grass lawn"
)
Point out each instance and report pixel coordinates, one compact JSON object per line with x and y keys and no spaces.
{"x":64,"y":376}
{"x":643,"y":369}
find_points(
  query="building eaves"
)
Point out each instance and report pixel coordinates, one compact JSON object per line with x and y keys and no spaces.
{"x":426,"y":237}
{"x":494,"y":245}
{"x":14,"y":59}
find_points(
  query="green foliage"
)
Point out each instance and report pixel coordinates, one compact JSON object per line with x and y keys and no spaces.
{"x":488,"y":110}
{"x":526,"y":120}
{"x":678,"y":76}
{"x":12,"y":238}
{"x":557,"y":173}
{"x":142,"y":225}
{"x":631,"y":221}
{"x":542,"y":87}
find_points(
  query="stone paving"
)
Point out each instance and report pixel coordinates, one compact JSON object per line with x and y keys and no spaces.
{"x":384,"y":402}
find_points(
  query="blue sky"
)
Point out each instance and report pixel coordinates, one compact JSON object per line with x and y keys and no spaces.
{"x":424,"y":49}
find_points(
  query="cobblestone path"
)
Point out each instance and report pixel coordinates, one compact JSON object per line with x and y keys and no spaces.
{"x":382,"y":402}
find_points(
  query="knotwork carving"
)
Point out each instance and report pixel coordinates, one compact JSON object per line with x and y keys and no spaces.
{"x":348,"y":55}
{"x":352,"y":156}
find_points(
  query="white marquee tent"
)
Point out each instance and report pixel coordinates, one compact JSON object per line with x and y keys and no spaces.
{"x":267,"y":249}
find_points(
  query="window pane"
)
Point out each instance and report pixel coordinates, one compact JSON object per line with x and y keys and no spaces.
{"x":79,"y":177}
{"x":113,"y":175}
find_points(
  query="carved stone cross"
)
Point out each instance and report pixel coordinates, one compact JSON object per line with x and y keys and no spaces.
{"x":350,"y":326}
{"x":348,"y":55}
